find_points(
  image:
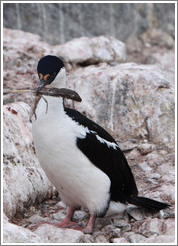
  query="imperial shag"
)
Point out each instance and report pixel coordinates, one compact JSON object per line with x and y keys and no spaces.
{"x":80,"y":158}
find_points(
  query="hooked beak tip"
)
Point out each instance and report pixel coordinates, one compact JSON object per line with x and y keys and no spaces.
{"x":41,"y":85}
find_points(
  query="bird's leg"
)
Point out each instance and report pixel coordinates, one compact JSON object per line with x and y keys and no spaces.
{"x":90,"y":226}
{"x":65,"y":223}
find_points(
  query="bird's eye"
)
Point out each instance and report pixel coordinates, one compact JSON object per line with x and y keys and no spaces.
{"x":53,"y":74}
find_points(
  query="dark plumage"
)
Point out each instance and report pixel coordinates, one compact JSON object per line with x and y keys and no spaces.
{"x":112,"y":162}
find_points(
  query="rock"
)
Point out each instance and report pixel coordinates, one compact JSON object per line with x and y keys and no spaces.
{"x":144,"y":166}
{"x":102,"y":222}
{"x":59,"y":215}
{"x":34,"y":219}
{"x":120,"y":223}
{"x":117,"y":232}
{"x":110,"y":92}
{"x":136,"y":214}
{"x":167,"y":176}
{"x":127,"y":145}
{"x":111,"y":231}
{"x":53,"y":234}
{"x":88,"y":239}
{"x":25,"y":183}
{"x":145,"y":148}
{"x":86,"y":51}
{"x":61,"y":204}
{"x":153,"y":227}
{"x":158,"y":37}
{"x":168,"y":228}
{"x":79,"y":215}
{"x":119,"y":240}
{"x":20,"y":61}
{"x":127,"y":228}
{"x":164,"y":214}
{"x":135,"y":238}
{"x":101,"y":239}
{"x":142,"y":53}
{"x":155,"y":176}
{"x":17,"y":234}
{"x":166,"y":190}
{"x":108,"y":228}
{"x":166,"y":59}
{"x":160,"y":239}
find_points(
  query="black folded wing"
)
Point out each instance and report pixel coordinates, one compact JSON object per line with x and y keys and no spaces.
{"x":102,"y":150}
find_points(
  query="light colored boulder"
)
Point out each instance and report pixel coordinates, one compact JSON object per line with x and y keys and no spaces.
{"x":17,"y":234}
{"x":25,"y":183}
{"x":52,"y":234}
{"x":131,"y":101}
{"x":88,"y":51}
{"x":135,"y":238}
{"x":119,"y":240}
{"x":168,"y":239}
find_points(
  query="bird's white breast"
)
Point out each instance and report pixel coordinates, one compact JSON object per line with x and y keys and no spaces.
{"x":78,"y":181}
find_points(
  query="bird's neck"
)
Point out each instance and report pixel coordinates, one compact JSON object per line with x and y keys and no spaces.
{"x":49,"y":104}
{"x":60,"y":80}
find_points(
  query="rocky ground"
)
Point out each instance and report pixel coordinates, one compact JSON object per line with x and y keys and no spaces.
{"x":131,"y":95}
{"x":133,"y":226}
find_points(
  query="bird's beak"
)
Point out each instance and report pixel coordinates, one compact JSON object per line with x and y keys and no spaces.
{"x":41,"y":85}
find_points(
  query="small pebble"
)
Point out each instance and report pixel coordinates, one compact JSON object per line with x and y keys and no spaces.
{"x":101,"y":239}
{"x":35,"y":218}
{"x":144,"y":166}
{"x":163,"y":214}
{"x":119,"y":240}
{"x":88,"y":239}
{"x":79,"y":215}
{"x":120,"y":223}
{"x":136,"y":214}
{"x":127,"y":227}
{"x":117,"y":232}
{"x":135,"y":238}
{"x":145,"y":148}
{"x":61,"y":204}
{"x":59,"y":215}
{"x":155,"y":175}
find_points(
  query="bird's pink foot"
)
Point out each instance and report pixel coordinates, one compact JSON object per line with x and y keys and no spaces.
{"x":90,"y":226}
{"x":62,"y":224}
{"x":65,"y":224}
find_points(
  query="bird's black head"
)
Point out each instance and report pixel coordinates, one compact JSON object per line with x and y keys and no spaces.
{"x":48,"y":67}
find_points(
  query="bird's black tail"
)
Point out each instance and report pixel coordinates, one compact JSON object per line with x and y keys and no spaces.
{"x":149,"y":204}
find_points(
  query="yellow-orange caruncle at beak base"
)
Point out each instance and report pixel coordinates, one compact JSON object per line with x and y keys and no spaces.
{"x":46,"y":77}
{"x":40,"y":76}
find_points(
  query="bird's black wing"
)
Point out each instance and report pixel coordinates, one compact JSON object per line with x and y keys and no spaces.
{"x":102,"y":150}
{"x":91,"y":125}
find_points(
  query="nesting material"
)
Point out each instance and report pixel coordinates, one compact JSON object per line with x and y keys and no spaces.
{"x":54,"y":92}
